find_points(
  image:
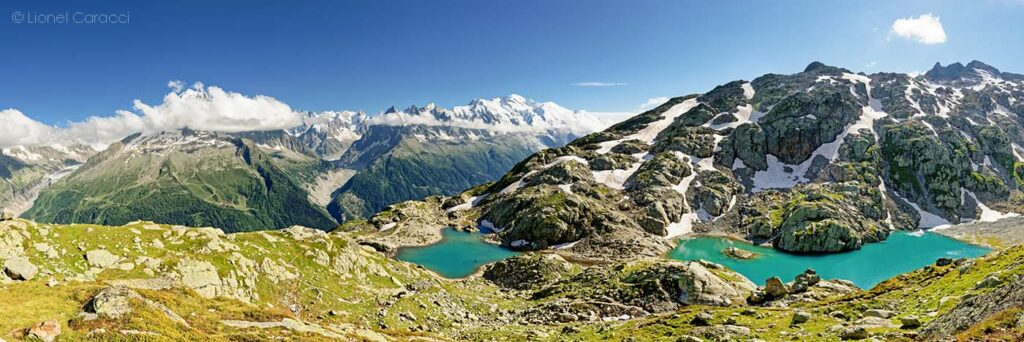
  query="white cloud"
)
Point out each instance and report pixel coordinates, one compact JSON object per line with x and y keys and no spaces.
{"x":18,"y":129}
{"x":199,"y":107}
{"x":599,"y":84}
{"x":653,"y":102}
{"x":214,"y":109}
{"x":925,"y":29}
{"x":871,"y":64}
{"x":176,"y":85}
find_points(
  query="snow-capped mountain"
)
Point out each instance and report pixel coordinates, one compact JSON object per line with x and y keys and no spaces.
{"x":329,"y":134}
{"x":349,"y":154}
{"x":823,"y":160}
{"x":512,"y":113}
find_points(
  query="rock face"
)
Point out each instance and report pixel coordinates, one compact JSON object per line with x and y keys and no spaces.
{"x":558,"y":201}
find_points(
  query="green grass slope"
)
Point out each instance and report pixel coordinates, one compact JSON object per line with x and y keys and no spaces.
{"x":232,"y":184}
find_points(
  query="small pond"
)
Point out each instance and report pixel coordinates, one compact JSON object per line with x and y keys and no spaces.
{"x":459,"y":254}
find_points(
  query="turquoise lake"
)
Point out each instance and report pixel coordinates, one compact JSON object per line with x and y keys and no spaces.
{"x":875,"y":262}
{"x":458,"y":255}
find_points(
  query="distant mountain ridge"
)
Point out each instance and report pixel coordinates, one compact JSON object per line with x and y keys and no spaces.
{"x":347,"y":162}
{"x":188,"y":177}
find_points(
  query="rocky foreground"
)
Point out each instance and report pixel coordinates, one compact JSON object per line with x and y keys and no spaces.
{"x":145,"y":281}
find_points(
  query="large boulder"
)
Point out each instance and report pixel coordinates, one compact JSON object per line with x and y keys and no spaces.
{"x":101,"y":258}
{"x":45,"y":331}
{"x":612,"y":161}
{"x":112,"y":302}
{"x":200,"y":276}
{"x":20,"y":268}
{"x":705,"y":283}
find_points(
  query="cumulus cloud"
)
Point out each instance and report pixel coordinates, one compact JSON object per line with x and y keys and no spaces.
{"x":599,"y":84}
{"x":198,"y":107}
{"x":653,"y":102}
{"x":18,"y":129}
{"x":925,"y":29}
{"x":214,"y":109}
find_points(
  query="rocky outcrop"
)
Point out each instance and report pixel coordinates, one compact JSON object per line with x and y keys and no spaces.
{"x":976,"y":309}
{"x":113,"y":302}
{"x":637,"y":289}
{"x":798,"y":124}
{"x":529,"y":271}
{"x":818,"y":217}
{"x":46,"y":331}
{"x":805,"y":287}
{"x":714,"y":192}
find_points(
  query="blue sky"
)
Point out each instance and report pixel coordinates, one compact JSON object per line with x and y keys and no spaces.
{"x":368,"y":55}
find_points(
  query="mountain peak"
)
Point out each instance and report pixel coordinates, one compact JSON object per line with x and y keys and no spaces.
{"x":515,"y":98}
{"x":957,"y":71}
{"x":815,"y":66}
{"x":978,"y":65}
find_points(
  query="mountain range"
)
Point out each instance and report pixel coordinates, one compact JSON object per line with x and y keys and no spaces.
{"x":332,"y":167}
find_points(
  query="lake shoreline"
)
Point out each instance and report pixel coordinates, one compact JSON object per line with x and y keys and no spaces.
{"x":997,"y":235}
{"x":901,"y":252}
